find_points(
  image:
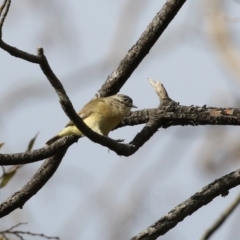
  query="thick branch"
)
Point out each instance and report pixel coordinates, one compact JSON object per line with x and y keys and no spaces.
{"x":173,"y":114}
{"x":44,"y":173}
{"x":139,"y":50}
{"x":167,"y":115}
{"x":191,"y":205}
{"x":36,"y":155}
{"x":142,"y":47}
{"x":68,"y":107}
{"x":117,"y":79}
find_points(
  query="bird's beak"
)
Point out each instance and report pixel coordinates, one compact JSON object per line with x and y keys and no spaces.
{"x":133,"y":106}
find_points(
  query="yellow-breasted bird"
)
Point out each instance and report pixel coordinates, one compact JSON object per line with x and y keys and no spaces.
{"x":101,"y":114}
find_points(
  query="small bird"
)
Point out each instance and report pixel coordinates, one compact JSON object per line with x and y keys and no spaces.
{"x":102,"y":115}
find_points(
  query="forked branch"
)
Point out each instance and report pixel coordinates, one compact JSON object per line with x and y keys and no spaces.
{"x":112,"y":85}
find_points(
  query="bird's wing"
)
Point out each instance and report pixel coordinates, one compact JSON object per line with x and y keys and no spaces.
{"x":87,"y":110}
{"x":82,"y":114}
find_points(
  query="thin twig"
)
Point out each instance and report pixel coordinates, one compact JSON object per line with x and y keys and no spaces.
{"x":17,"y":225}
{"x":3,"y":170}
{"x":19,"y":53}
{"x":221,"y":219}
{"x":3,"y":13}
{"x":2,"y":6}
{"x":20,"y":233}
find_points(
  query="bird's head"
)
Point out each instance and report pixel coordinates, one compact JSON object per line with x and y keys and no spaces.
{"x":124,"y":100}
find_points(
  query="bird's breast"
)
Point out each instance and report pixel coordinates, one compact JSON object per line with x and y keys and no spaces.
{"x":106,"y":119}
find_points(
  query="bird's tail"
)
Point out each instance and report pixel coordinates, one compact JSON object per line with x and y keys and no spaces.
{"x":52,"y":140}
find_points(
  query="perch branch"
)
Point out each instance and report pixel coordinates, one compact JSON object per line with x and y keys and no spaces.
{"x":168,"y":114}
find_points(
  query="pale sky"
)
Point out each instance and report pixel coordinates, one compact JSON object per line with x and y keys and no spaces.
{"x":94,"y":191}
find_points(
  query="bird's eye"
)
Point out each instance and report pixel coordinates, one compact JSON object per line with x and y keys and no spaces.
{"x":127,"y":101}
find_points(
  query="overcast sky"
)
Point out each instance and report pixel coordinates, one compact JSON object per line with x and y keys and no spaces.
{"x":96,"y":194}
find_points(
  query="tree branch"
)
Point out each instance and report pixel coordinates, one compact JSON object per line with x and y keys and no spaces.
{"x":222,"y":218}
{"x":142,"y":47}
{"x":36,"y":155}
{"x":3,"y":13}
{"x":133,"y":58}
{"x":168,"y":114}
{"x":145,"y":42}
{"x":19,"y":53}
{"x":19,"y":233}
{"x":191,"y":205}
{"x":44,"y":173}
